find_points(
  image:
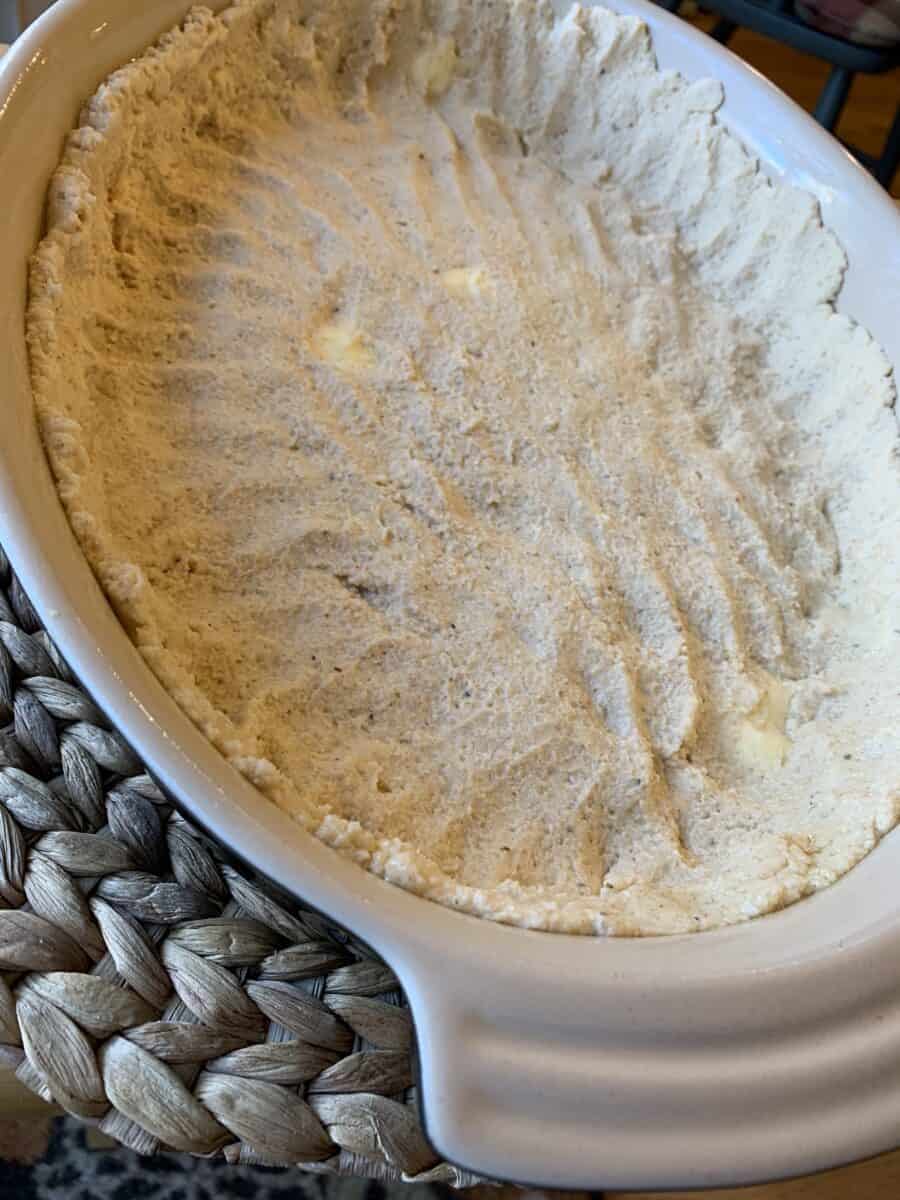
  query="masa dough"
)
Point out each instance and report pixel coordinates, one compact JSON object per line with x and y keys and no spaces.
{"x":462,"y":428}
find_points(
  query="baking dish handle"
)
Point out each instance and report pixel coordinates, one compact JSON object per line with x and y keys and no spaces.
{"x":595,"y":1065}
{"x":515,"y":1097}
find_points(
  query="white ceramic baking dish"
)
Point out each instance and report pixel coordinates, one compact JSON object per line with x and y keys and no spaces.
{"x":719,"y":1058}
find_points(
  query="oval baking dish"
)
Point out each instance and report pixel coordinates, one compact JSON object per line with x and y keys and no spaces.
{"x":728,"y":1057}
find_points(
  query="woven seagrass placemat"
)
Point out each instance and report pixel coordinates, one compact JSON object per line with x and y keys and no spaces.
{"x":153,"y":986}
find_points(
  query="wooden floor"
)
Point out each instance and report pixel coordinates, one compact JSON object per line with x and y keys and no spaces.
{"x":873,"y":98}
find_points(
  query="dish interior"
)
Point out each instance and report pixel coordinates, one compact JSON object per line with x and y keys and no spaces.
{"x":475,"y":455}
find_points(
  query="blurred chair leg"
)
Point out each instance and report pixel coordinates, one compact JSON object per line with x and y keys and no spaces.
{"x":723,"y":30}
{"x":833,"y":97}
{"x":886,"y":167}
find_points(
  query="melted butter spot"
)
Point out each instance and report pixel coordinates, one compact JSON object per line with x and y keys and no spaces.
{"x":343,"y":346}
{"x":433,"y":69}
{"x":466,"y":282}
{"x":762,"y":740}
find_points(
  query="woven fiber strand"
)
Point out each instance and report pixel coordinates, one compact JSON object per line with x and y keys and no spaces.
{"x":151,"y":985}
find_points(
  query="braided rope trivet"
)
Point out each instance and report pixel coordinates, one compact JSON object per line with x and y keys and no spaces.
{"x":151,"y":985}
